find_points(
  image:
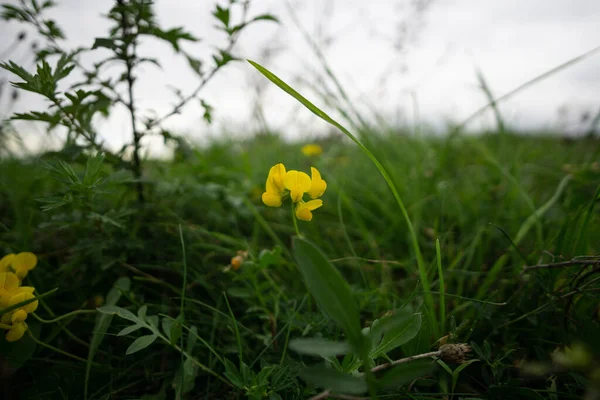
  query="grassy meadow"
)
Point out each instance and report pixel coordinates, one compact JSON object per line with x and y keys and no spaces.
{"x":216,"y":284}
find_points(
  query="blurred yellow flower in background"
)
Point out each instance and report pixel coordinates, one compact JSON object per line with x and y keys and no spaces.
{"x":311,"y":149}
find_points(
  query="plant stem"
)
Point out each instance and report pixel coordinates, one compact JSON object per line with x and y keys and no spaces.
{"x":295,"y":222}
{"x":129,"y":41}
{"x":67,"y":315}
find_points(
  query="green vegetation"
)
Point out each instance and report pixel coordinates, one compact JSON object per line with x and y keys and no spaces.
{"x":475,"y":195}
{"x":433,"y":267}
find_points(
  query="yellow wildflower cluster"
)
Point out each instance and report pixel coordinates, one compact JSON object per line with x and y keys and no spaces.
{"x":13,"y":268}
{"x":281,"y":183}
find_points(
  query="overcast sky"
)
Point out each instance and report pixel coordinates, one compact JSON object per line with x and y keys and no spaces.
{"x":511,"y":41}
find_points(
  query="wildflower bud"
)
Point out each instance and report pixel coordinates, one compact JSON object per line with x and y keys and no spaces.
{"x":98,"y":301}
{"x":455,"y":353}
{"x":236,"y":262}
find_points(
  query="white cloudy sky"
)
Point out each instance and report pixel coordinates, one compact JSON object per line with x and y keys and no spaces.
{"x":511,"y":41}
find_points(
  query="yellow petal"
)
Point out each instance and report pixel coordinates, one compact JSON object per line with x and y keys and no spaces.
{"x":16,"y":332}
{"x":318,"y":185}
{"x":297,"y":183}
{"x":24,"y":261}
{"x":8,"y":281}
{"x":5,"y":319}
{"x":303,"y":210}
{"x":23,"y":296}
{"x":303,"y":214}
{"x":5,"y":262}
{"x":271,"y":199}
{"x":277,"y":174}
{"x":18,"y":316}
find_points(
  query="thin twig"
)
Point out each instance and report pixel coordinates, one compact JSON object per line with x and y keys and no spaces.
{"x":327,"y":393}
{"x":569,"y":263}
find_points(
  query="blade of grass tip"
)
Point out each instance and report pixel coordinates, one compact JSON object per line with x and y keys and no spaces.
{"x":512,"y":243}
{"x":235,"y":327}
{"x":490,"y":97}
{"x":414,"y":240}
{"x":525,"y":85}
{"x":442,"y":287}
{"x":181,"y":311}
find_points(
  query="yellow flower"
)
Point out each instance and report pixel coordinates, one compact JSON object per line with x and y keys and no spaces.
{"x":5,"y":262}
{"x":20,"y":314}
{"x":311,"y":149}
{"x":9,"y":284}
{"x":303,"y":210}
{"x":317,"y":185}
{"x":294,"y":183}
{"x":16,"y":332}
{"x":277,"y":173}
{"x":297,"y":183}
{"x":20,"y":263}
{"x":274,"y":186}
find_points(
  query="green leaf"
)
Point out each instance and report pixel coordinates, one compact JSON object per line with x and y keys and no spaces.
{"x":176,"y":330}
{"x":405,"y":373}
{"x":192,"y":338}
{"x":232,"y":373}
{"x":102,"y":323}
{"x":167,"y":324}
{"x":329,"y":289}
{"x":190,"y":370}
{"x":121,"y":312}
{"x":140,"y":343}
{"x":129,"y":329}
{"x":334,"y":380}
{"x":398,"y":329}
{"x":319,"y":347}
{"x":104,"y":42}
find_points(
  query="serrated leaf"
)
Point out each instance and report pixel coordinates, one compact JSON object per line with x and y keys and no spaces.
{"x":334,"y":380}
{"x":129,"y":329}
{"x":319,"y":347}
{"x":140,"y":343}
{"x":329,"y":289}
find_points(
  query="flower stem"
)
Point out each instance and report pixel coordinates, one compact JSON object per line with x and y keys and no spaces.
{"x":67,"y":315}
{"x":295,"y":221}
